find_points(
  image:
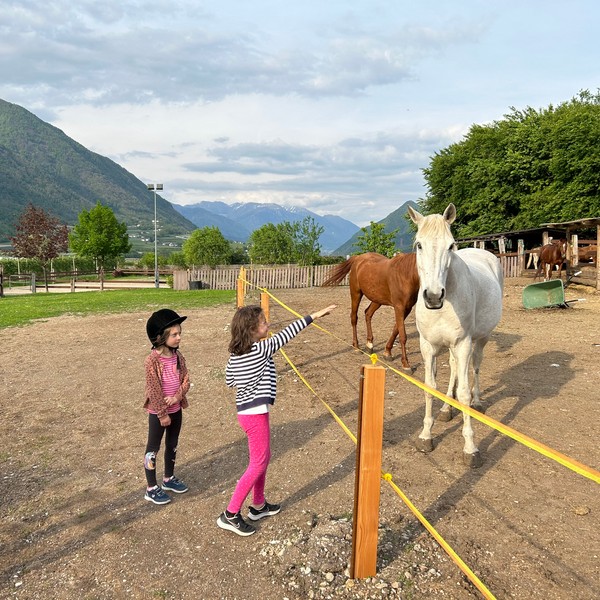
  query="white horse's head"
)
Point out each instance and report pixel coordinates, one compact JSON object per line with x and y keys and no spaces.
{"x":434,"y":245}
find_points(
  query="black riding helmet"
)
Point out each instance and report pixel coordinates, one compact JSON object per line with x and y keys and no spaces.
{"x":160,"y":320}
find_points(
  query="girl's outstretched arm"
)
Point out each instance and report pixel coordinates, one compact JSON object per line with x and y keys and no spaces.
{"x":323,"y":311}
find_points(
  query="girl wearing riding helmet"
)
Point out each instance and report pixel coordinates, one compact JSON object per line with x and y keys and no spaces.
{"x":167,"y":383}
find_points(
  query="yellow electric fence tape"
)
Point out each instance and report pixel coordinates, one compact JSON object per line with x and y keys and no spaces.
{"x":493,"y":423}
{"x":564,"y":460}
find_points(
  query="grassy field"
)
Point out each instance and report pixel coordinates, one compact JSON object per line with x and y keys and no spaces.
{"x":24,"y":309}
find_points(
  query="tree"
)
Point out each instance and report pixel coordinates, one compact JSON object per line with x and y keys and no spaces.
{"x":177,"y":259}
{"x":286,"y":242}
{"x":100,"y":236}
{"x":306,"y":235}
{"x":207,"y":246}
{"x":40,"y":236}
{"x":239,"y":253}
{"x":146,"y":261}
{"x":530,"y":168}
{"x":374,"y":239}
{"x":272,"y":244}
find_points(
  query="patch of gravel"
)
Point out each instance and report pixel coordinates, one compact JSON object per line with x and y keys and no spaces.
{"x":314,"y":562}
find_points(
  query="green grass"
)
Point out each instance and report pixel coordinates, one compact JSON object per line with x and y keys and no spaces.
{"x":24,"y":309}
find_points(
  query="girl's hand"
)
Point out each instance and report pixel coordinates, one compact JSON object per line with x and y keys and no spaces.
{"x":323,"y":312}
{"x":165,"y":421}
{"x":170,"y":400}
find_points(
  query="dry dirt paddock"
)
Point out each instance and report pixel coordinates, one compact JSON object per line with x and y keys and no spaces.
{"x":75,"y":524}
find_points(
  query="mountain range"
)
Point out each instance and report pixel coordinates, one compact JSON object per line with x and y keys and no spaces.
{"x":237,"y":221}
{"x":41,"y":165}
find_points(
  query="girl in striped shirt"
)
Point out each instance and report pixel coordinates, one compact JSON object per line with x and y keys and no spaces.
{"x":251,"y":370}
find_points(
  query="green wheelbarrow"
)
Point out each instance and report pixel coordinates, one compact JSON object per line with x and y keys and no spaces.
{"x":546,"y":293}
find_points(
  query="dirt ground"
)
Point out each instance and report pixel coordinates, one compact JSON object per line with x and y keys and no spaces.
{"x":75,"y":524}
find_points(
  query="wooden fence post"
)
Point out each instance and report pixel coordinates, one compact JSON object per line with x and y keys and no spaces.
{"x":241,"y":287}
{"x":264,"y":304}
{"x":367,"y":484}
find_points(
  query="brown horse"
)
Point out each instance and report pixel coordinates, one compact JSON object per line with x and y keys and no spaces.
{"x":552,"y":255}
{"x":384,"y":281}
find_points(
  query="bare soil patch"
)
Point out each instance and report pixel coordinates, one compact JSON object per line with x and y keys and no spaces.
{"x":75,"y":524}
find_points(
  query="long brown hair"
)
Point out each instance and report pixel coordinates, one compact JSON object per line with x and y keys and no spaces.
{"x":243,"y":326}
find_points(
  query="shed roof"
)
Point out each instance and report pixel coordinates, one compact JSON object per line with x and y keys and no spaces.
{"x":535,"y":232}
{"x":587,"y":223}
{"x":554,"y":229}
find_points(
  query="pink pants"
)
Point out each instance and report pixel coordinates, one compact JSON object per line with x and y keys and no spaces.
{"x":259,"y":448}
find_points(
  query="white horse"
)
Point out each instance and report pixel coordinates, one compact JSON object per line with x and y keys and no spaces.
{"x":459,"y":305}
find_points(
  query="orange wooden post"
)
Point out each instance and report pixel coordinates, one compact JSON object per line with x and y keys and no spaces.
{"x":367,"y":484}
{"x":264,"y":304}
{"x":241,"y":288}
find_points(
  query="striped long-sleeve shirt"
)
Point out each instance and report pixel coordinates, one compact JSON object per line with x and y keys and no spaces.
{"x":253,"y":374}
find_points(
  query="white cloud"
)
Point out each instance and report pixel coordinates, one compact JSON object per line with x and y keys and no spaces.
{"x":333,"y":106}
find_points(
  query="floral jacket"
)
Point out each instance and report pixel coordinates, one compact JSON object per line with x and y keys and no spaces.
{"x":154,"y":394}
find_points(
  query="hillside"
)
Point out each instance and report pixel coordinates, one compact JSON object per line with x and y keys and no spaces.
{"x":237,"y":221}
{"x":42,"y":165}
{"x":395,"y":220}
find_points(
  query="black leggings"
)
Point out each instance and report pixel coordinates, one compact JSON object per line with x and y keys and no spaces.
{"x":155,"y":435}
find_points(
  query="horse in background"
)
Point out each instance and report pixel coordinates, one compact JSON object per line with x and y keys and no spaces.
{"x":534,"y":257}
{"x":384,"y":281}
{"x":588,"y":254}
{"x":458,"y":307}
{"x":534,"y":253}
{"x":552,"y":255}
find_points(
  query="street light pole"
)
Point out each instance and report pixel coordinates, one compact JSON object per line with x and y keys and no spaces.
{"x":154,"y":187}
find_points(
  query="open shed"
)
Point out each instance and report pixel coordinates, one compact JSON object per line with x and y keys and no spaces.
{"x":578,"y":233}
{"x":588,"y":274}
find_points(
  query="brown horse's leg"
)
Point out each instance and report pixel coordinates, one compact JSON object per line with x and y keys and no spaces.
{"x":369,"y":312}
{"x":390,"y":342}
{"x":355,"y":297}
{"x":400,"y":330}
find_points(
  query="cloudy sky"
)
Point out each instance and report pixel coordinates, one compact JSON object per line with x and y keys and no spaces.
{"x":332,"y":105}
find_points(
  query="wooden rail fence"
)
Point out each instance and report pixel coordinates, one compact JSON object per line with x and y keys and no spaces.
{"x":270,"y":277}
{"x":288,"y":276}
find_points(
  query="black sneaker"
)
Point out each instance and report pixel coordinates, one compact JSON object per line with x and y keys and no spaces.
{"x":157,"y":496}
{"x":268,"y":510}
{"x":235,"y":524}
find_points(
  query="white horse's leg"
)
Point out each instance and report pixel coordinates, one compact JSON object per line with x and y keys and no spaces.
{"x":445,"y":413}
{"x":424,"y":442}
{"x":478,"y":347}
{"x":463,"y":351}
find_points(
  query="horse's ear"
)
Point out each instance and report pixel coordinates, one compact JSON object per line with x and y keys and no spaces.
{"x":416,"y":216}
{"x":450,"y":213}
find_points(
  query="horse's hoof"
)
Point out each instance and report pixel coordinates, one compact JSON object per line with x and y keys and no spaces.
{"x":445,"y":415}
{"x":424,"y":445}
{"x":479,"y":407}
{"x":472,"y":461}
{"x":387,"y":354}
